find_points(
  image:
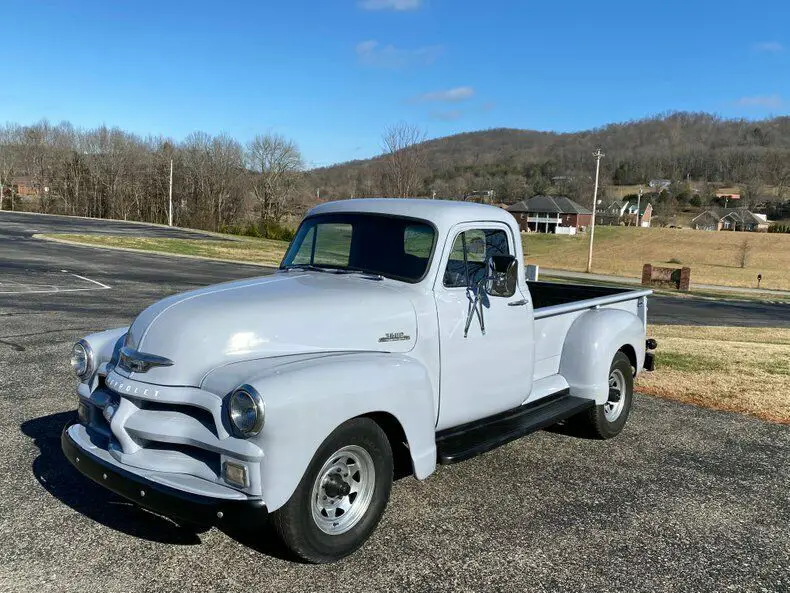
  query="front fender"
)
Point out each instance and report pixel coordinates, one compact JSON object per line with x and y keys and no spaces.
{"x":306,"y":400}
{"x":105,"y":344}
{"x":592,"y":341}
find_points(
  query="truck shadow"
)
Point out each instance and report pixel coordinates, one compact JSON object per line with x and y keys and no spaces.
{"x":57,"y":476}
{"x":61,"y":480}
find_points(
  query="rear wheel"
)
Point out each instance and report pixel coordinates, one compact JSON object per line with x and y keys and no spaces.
{"x":608,"y":419}
{"x":341,"y":496}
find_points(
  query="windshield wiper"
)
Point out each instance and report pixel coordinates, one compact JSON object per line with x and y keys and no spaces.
{"x":334,"y":270}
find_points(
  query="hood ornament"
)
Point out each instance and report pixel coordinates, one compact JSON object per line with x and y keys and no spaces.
{"x":133,"y":361}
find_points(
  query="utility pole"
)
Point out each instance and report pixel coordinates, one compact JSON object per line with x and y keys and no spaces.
{"x":170,"y":210}
{"x":639,"y":209}
{"x":598,"y":156}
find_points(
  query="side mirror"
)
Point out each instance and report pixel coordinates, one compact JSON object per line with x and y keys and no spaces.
{"x":503,"y":275}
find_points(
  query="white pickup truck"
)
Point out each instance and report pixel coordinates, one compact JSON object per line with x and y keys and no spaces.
{"x":395,"y":334}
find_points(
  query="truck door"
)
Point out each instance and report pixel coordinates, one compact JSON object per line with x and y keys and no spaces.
{"x":481,"y":374}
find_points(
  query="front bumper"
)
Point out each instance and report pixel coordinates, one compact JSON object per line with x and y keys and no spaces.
{"x":161,"y":499}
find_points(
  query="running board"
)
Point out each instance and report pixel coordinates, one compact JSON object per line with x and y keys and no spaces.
{"x":467,"y":440}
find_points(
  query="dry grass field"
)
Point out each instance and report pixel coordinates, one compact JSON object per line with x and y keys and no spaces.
{"x":740,"y":369}
{"x":714,"y":257}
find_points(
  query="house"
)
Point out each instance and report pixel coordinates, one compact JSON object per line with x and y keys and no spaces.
{"x":623,"y":212}
{"x":660,"y":184}
{"x":551,"y":214}
{"x":728,"y":197}
{"x":645,"y":214}
{"x":24,"y":186}
{"x":610,"y":213}
{"x":730,"y":219}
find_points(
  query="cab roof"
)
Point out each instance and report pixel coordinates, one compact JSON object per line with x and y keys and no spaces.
{"x":443,"y":213}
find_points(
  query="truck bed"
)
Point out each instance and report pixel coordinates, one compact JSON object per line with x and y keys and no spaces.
{"x":548,"y":294}
{"x":550,"y":299}
{"x":556,"y":307}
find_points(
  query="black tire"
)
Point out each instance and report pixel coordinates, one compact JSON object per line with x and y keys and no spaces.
{"x":294,"y":522}
{"x":595,"y":419}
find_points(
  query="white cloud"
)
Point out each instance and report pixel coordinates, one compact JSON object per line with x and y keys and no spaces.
{"x":453,"y":95}
{"x":372,"y":53}
{"x":768,"y":46}
{"x":366,"y":47}
{"x":761,"y":101}
{"x":399,"y":5}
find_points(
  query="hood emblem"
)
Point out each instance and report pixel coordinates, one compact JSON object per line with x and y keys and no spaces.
{"x":133,"y":361}
{"x":394,"y":337}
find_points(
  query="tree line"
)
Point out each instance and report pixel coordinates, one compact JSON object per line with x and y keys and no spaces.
{"x":222,"y":184}
{"x":218,"y":183}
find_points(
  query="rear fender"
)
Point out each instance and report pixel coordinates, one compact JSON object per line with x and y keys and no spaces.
{"x":590,"y":345}
{"x":305,"y":401}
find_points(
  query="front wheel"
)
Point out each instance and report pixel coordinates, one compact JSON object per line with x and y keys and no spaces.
{"x":607,"y":420}
{"x":341,"y":496}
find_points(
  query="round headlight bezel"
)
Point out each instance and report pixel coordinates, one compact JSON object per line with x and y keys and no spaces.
{"x":235,"y":412}
{"x":87,"y":353}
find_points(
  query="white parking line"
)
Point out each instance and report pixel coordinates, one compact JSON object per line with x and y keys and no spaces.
{"x":89,"y":280}
{"x":56,"y":289}
{"x":52,"y":288}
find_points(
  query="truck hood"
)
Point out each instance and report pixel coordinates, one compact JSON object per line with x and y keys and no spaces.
{"x":284,"y":314}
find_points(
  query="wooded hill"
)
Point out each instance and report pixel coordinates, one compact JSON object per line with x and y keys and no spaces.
{"x":519,"y":163}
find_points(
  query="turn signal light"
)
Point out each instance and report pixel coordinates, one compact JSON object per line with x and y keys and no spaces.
{"x":236,"y":474}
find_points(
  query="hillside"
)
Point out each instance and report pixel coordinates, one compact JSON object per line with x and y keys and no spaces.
{"x":679,"y":146}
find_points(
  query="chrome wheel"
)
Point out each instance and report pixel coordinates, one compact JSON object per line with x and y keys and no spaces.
{"x":614,"y":405}
{"x":343,"y":490}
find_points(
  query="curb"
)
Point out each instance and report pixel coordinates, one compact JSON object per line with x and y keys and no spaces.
{"x":41,"y":237}
{"x":137,"y":222}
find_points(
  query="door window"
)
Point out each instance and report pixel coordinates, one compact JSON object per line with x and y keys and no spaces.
{"x":466,"y":265}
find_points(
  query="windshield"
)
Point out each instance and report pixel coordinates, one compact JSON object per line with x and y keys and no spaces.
{"x":391,"y":246}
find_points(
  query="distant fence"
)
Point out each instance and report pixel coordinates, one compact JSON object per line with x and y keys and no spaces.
{"x":679,"y":278}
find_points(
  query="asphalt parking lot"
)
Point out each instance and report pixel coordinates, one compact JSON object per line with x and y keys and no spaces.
{"x":686,"y":499}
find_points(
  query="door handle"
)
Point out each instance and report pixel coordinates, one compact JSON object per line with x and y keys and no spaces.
{"x":520,"y":303}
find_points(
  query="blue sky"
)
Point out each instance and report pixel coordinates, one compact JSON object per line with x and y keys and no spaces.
{"x":332,"y":74}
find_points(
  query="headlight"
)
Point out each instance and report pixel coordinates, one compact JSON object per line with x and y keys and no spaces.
{"x":82,"y":359}
{"x":246,"y":411}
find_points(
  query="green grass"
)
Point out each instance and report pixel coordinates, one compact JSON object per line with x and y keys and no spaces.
{"x":690,"y":362}
{"x":777,"y":366}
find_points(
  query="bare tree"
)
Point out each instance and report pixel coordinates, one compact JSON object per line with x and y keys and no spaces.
{"x":745,"y":252}
{"x":404,"y":157}
{"x":9,"y":159}
{"x":276,"y":165}
{"x":213,"y":187}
